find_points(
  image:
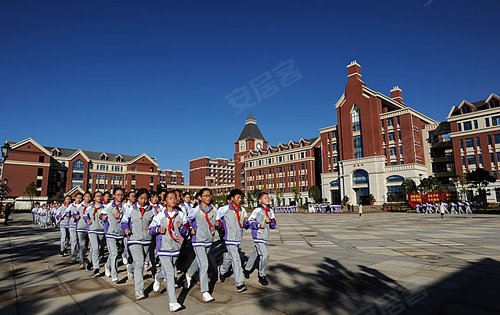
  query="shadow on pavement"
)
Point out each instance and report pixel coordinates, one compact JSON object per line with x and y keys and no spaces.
{"x":335,"y":289}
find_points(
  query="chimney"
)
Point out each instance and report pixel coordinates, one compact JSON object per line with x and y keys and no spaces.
{"x":397,"y":94}
{"x":354,"y":70}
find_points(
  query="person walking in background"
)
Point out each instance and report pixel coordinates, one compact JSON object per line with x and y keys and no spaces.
{"x":360,"y":210}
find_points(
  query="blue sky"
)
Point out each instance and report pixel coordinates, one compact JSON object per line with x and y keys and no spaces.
{"x":153,"y":76}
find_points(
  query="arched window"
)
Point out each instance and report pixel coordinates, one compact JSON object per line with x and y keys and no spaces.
{"x":78,"y":165}
{"x":356,"y":126}
{"x":360,"y":177}
{"x":395,"y":179}
{"x":335,"y":183}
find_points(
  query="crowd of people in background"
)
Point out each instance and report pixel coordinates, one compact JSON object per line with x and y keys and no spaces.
{"x":163,"y":233}
{"x":444,"y":207}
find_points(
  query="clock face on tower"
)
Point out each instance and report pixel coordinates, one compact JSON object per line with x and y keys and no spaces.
{"x":259,"y":146}
{"x":242,"y":146}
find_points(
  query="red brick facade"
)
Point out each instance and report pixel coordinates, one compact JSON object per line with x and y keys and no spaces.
{"x":205,"y":171}
{"x":56,"y":171}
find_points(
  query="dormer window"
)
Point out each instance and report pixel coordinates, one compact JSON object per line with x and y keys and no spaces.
{"x":104,"y":157}
{"x":56,"y":152}
{"x":119,"y":158}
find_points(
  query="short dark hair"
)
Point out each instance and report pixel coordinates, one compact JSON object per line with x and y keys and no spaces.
{"x":142,"y":191}
{"x":234,"y":192}
{"x":153,"y":193}
{"x":131,"y":192}
{"x":187,"y":193}
{"x":262,"y":194}
{"x":79,"y":194}
{"x":117,"y":189}
{"x":106,"y":193}
{"x":200,"y":193}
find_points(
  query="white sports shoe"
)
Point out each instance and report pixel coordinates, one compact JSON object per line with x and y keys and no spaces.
{"x":207,"y":297}
{"x":130,"y":275}
{"x":124,"y":260}
{"x":156,"y":285}
{"x":107,"y":272}
{"x":139,"y":295}
{"x":174,"y":307}
{"x":114,"y":279}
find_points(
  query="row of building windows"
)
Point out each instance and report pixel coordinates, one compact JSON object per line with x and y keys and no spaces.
{"x":279,"y":159}
{"x":473,"y":124}
{"x":279,"y":169}
{"x":291,"y":179}
{"x":80,"y":166}
{"x":390,"y":122}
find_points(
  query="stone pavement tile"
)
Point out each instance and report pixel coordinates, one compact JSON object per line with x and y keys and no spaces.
{"x":7,"y":297}
{"x":106,"y":301}
{"x":291,"y":304}
{"x":59,"y":305}
{"x":40,"y":292}
{"x":82,"y":285}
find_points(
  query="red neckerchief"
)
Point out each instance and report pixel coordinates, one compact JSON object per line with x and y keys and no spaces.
{"x":171,"y":220}
{"x":95,"y":211}
{"x":237,"y":212}
{"x":117,"y":205}
{"x":266,"y":211}
{"x":210,"y":225}
{"x":142,"y":211}
{"x":85,"y":209}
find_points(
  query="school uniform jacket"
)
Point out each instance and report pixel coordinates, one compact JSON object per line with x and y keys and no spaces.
{"x":94,"y":214}
{"x":233,"y":223}
{"x":168,"y":244}
{"x":257,"y":218}
{"x":157,"y":208}
{"x":62,"y":216}
{"x":72,"y":210}
{"x":203,"y":222}
{"x":112,"y":225}
{"x":81,"y":224}
{"x":138,"y":224}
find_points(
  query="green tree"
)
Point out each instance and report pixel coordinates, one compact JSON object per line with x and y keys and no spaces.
{"x":408,"y":186}
{"x":250,"y":198}
{"x":479,"y":179}
{"x":462,"y":181}
{"x":296,"y":194}
{"x":429,"y":184}
{"x":279,"y":197}
{"x":315,"y":194}
{"x":30,"y":191}
{"x":4,"y":191}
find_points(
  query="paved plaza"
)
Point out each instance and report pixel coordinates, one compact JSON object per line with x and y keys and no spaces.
{"x":381,"y":263}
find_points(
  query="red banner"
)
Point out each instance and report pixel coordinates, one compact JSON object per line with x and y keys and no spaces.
{"x":432,"y":197}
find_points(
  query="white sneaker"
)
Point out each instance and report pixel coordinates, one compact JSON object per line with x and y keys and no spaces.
{"x":107,"y":272}
{"x":156,"y":285}
{"x":174,"y":307}
{"x":207,"y":297}
{"x":124,"y":260}
{"x":114,"y":279}
{"x":130,"y":275}
{"x":139,"y":295}
{"x":187,"y":283}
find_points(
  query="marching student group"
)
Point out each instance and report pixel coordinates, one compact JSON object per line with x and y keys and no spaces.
{"x":162,"y":233}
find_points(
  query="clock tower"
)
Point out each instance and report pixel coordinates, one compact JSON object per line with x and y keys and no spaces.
{"x":251,"y":139}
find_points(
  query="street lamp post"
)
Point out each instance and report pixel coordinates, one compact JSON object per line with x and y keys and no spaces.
{"x":5,"y":151}
{"x":4,"y":181}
